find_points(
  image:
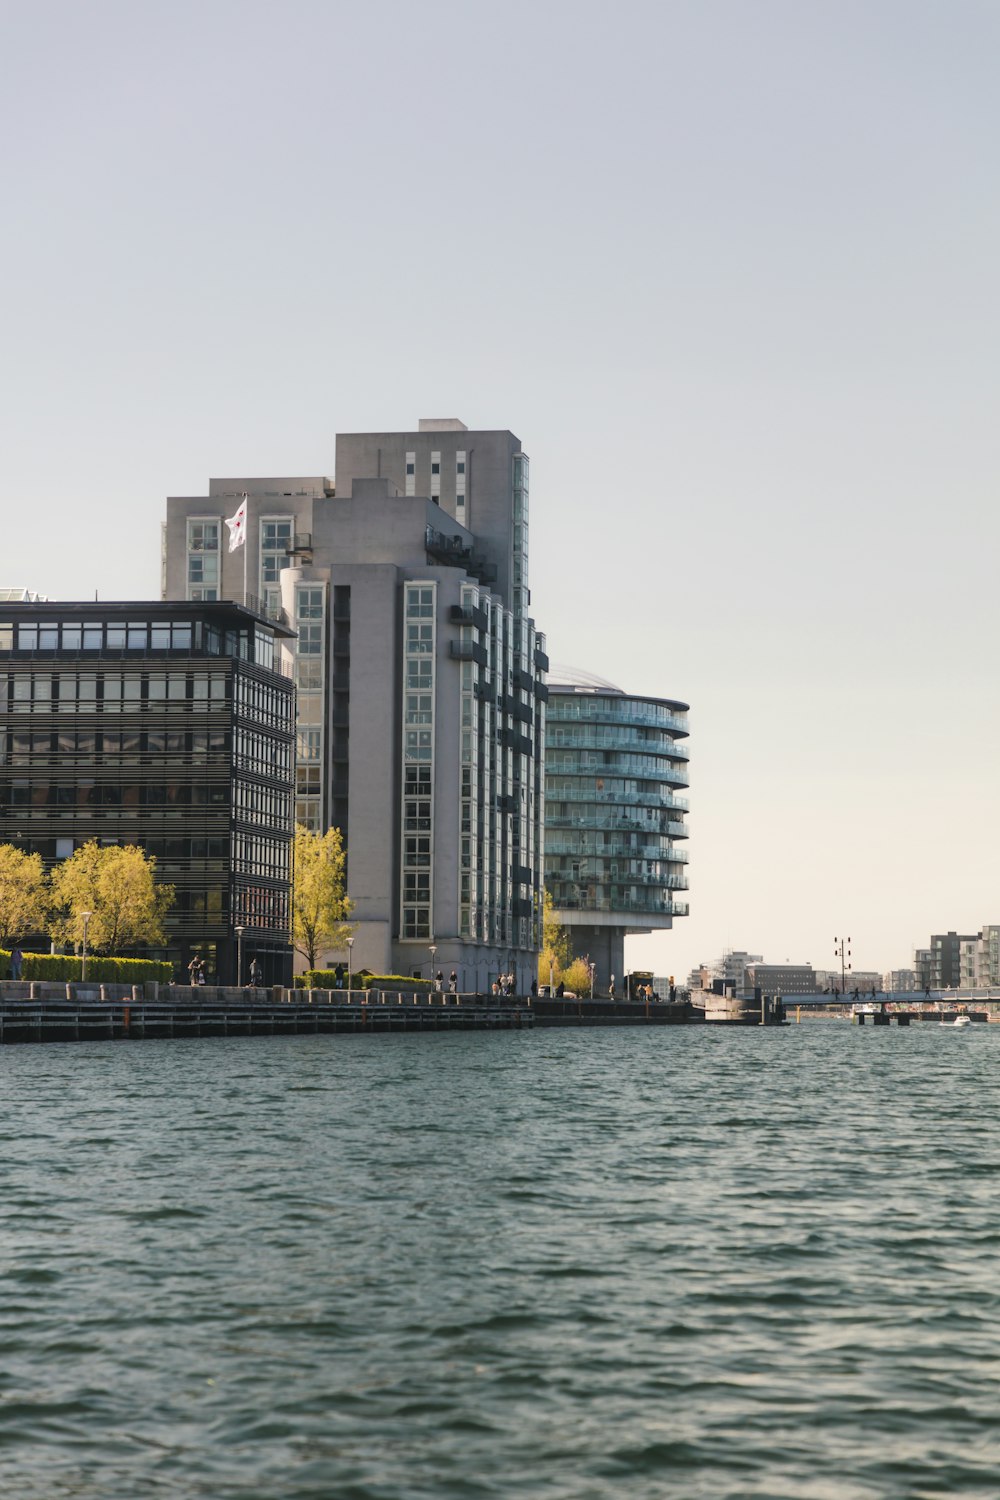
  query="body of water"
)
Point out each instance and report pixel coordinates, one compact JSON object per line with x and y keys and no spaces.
{"x":551,"y":1265}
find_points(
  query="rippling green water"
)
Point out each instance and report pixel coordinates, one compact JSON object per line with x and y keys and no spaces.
{"x":679,"y":1262}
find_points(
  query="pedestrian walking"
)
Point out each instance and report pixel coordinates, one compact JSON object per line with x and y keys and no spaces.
{"x":16,"y":961}
{"x":611,"y":987}
{"x":194,"y":970}
{"x":453,"y":983}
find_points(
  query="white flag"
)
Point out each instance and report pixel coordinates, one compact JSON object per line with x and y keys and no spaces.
{"x":238,"y":526}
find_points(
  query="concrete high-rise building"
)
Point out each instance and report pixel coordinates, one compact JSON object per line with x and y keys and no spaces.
{"x":614,"y":822}
{"x":420,"y":676}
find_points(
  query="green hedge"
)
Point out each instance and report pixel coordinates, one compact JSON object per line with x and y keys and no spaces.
{"x":59,"y":966}
{"x":326,"y":979}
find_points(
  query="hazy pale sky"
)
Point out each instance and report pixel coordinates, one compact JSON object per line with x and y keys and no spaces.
{"x":729,"y":269}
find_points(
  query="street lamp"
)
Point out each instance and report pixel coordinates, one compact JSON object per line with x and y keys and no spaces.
{"x":842,"y":950}
{"x":239,"y":955}
{"x":434,"y":950}
{"x":350,"y":945}
{"x":86,"y":915}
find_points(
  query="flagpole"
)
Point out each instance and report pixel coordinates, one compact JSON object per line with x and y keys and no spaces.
{"x":246,"y":549}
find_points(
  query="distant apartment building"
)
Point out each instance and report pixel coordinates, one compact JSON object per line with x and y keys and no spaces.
{"x":969,"y":963}
{"x":420,"y":678}
{"x":923,"y":967}
{"x":615,"y":859}
{"x":901,"y":981}
{"x":989,"y":957}
{"x":169,"y":726}
{"x":946,"y":958}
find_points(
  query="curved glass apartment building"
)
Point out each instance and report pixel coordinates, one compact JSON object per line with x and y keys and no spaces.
{"x":615,"y":776}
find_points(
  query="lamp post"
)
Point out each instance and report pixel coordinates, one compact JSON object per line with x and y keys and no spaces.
{"x":239,"y":955}
{"x":86,"y":915}
{"x":433,"y":949}
{"x":842,"y":950}
{"x":350,"y":968}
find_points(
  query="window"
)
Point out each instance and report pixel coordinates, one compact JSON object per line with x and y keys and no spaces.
{"x":309,"y":604}
{"x":275,"y":544}
{"x":202,"y":559}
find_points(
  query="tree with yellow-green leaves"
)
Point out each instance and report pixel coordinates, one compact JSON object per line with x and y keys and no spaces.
{"x":24,"y":895}
{"x":117,"y":885}
{"x":556,"y":949}
{"x":321,"y":907}
{"x":576,"y":977}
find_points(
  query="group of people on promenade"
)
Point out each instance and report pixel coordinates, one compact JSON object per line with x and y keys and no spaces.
{"x":197,"y":975}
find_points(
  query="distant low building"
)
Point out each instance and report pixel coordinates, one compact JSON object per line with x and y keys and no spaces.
{"x":782,"y":979}
{"x":902,"y":981}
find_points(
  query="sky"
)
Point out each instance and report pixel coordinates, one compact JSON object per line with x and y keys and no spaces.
{"x":728,"y":269}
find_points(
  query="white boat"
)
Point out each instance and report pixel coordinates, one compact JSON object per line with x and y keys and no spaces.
{"x":958,"y":1021}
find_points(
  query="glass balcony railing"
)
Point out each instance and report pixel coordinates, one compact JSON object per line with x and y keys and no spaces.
{"x":659,"y":826}
{"x":584,"y":847}
{"x":602,"y":882}
{"x":582,"y":794}
{"x":601,"y":737}
{"x":565,"y":710}
{"x":637,"y":904}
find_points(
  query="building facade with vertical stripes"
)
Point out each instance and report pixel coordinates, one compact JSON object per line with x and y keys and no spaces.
{"x":420,"y":678}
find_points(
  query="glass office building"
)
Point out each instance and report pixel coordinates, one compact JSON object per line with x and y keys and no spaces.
{"x":615,"y":773}
{"x":165,"y":725}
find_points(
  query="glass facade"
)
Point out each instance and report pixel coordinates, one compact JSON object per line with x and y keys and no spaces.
{"x":502,"y":729}
{"x":418,"y":761}
{"x":613,"y":816}
{"x":310,"y":679}
{"x":170,"y":731}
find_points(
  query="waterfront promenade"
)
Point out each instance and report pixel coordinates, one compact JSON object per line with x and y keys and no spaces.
{"x":50,"y":1012}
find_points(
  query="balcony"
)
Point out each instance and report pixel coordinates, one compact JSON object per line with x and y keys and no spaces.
{"x":614,"y":711}
{"x":583,"y":846}
{"x":468,"y":651}
{"x":514,"y":740}
{"x":468,"y":614}
{"x":650,"y":799}
{"x":638,"y":905}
